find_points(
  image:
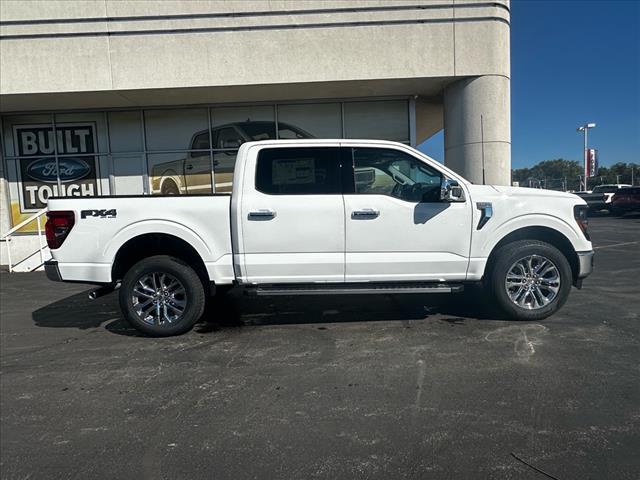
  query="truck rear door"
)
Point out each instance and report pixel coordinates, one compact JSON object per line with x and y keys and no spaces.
{"x":292,"y":215}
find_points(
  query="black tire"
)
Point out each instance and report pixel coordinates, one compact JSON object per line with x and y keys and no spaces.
{"x":506,"y":257}
{"x":191,"y":293}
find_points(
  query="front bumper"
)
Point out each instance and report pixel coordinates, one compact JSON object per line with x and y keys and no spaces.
{"x":585,"y":263}
{"x":52,"y":270}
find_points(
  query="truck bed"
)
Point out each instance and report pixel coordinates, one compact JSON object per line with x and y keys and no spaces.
{"x":104,"y":224}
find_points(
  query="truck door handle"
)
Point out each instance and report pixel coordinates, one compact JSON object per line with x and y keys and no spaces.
{"x":189,"y":167}
{"x":263,"y":213}
{"x":365,"y":213}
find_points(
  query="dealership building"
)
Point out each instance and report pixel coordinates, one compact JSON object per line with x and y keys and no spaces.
{"x":155,"y":97}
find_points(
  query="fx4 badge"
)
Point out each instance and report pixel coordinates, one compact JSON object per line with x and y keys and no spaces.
{"x":99,"y":213}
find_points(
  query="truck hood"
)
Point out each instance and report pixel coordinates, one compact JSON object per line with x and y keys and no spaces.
{"x":522,"y":193}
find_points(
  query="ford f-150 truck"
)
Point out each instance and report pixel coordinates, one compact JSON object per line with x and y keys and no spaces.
{"x":323,"y":217}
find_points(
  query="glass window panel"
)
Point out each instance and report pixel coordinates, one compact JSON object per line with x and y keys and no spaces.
{"x":174,"y":129}
{"x":236,"y":125}
{"x":32,"y":135}
{"x":81,"y":129}
{"x":201,"y":141}
{"x":322,"y":120}
{"x":389,"y":172}
{"x":180,"y":173}
{"x":125,"y":132}
{"x":223,"y":115}
{"x":103,"y":164}
{"x":382,"y":120}
{"x":231,"y":137}
{"x":38,"y":178}
{"x":223,"y":166}
{"x":10,"y":124}
{"x":127,"y":173}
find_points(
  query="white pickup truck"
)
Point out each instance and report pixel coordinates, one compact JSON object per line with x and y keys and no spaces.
{"x":323,"y":217}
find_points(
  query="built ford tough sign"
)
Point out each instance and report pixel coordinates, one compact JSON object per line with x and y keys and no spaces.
{"x":324,"y":217}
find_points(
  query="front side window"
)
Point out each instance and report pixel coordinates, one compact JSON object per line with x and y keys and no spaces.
{"x":298,"y":171}
{"x":381,"y":171}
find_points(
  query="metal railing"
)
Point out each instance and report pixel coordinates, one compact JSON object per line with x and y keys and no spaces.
{"x":8,"y":236}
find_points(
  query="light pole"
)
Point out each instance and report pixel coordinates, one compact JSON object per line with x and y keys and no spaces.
{"x":585,"y":128}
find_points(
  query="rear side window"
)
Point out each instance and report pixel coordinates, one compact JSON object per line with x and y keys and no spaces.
{"x":298,"y":171}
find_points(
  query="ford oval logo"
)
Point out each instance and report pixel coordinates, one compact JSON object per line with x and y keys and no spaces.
{"x":44,"y":170}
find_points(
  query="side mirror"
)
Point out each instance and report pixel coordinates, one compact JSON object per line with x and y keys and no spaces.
{"x":451,"y":191}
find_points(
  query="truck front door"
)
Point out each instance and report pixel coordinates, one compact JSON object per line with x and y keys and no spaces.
{"x":397,"y":229}
{"x":292,"y":216}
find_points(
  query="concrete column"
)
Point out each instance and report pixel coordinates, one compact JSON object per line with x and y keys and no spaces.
{"x":477,"y":125}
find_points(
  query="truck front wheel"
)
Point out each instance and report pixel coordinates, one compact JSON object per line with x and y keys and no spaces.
{"x":162,"y":296}
{"x":530,"y":280}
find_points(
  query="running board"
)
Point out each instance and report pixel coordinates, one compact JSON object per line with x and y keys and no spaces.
{"x":353,"y":288}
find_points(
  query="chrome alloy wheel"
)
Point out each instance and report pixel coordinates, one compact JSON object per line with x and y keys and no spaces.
{"x":159,"y":298}
{"x":532,"y":282}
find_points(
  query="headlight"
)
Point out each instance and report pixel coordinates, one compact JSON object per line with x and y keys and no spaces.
{"x":580,"y":214}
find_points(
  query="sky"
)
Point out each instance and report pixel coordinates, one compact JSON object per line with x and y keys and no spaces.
{"x":572,"y":62}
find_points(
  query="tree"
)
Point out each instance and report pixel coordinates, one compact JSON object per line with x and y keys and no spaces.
{"x":549,"y":174}
{"x":561,"y":174}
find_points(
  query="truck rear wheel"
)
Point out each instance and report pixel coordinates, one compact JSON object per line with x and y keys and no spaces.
{"x":530,"y":280}
{"x":162,"y":296}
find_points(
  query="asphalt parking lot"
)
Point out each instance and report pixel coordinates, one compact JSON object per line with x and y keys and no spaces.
{"x":316,"y":387}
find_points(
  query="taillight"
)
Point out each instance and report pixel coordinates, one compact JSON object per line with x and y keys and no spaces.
{"x":580,"y":214}
{"x":59,"y":224}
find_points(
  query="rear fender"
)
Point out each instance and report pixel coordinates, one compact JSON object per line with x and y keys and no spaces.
{"x":158,"y":226}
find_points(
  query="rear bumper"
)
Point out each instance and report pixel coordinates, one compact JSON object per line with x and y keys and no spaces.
{"x":585,"y":263}
{"x":90,"y":274}
{"x":52,"y":270}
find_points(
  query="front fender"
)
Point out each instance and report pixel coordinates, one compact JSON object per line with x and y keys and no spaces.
{"x":492,"y":237}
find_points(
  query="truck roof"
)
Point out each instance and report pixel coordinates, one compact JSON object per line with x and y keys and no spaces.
{"x":316,"y":141}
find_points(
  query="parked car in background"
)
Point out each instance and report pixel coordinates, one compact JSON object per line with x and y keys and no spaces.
{"x":192,"y":175}
{"x":600,"y":196}
{"x":626,"y":199}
